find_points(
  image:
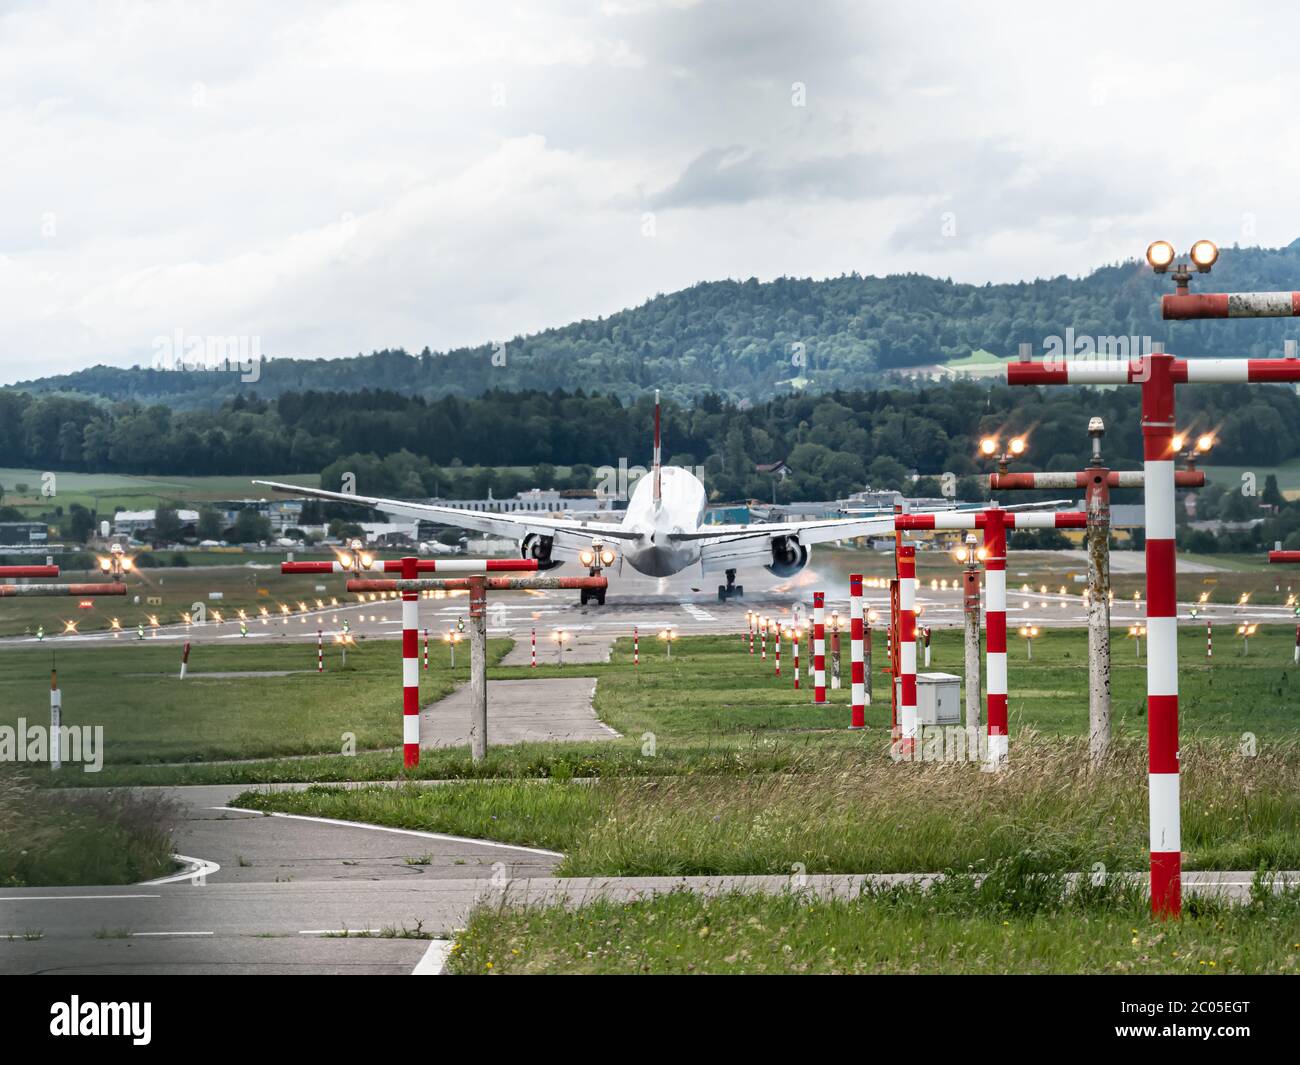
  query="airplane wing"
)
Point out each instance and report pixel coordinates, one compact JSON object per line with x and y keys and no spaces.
{"x":516,"y":525}
{"x":809,"y":532}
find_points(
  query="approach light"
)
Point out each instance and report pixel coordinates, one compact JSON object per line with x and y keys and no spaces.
{"x":1204,"y":442}
{"x":1180,"y":441}
{"x":607,"y":556}
{"x":1017,"y":446}
{"x":586,"y":556}
{"x":989,"y":445}
{"x":1160,"y":253}
{"x":1204,"y":254}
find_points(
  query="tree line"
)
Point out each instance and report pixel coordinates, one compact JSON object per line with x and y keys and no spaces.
{"x":759,"y":340}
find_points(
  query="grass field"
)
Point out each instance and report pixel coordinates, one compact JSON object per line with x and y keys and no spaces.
{"x":711,"y":708}
{"x":105,"y":492}
{"x":148,"y":715}
{"x":1014,"y":922}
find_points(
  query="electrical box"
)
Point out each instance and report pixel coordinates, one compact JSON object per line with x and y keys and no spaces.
{"x":938,"y":699}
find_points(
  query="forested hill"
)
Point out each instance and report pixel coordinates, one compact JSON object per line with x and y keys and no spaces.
{"x":741,"y":339}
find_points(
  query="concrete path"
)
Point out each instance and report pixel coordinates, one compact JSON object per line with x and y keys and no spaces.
{"x":519,"y":711}
{"x":579,"y":648}
{"x":277,"y":894}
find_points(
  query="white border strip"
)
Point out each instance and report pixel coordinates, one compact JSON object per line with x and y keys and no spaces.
{"x":435,"y":958}
{"x":399,"y":831}
{"x":198,"y":867}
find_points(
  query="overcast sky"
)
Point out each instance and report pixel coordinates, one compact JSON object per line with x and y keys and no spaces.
{"x":337,"y":177}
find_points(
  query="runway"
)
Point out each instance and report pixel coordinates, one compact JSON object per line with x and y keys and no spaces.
{"x":688,"y":604}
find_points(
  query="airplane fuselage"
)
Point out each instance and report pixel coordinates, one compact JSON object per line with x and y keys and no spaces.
{"x":680,"y":509}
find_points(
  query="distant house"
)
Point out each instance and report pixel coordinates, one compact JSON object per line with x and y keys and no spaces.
{"x":135,"y":522}
{"x":283,"y":514}
{"x":777,"y":469}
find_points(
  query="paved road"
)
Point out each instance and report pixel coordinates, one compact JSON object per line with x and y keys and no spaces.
{"x":519,"y":711}
{"x":282,"y":891}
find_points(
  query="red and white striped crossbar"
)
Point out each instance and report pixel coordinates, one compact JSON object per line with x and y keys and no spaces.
{"x":1080,"y":478}
{"x":29,"y":571}
{"x":423,"y":565}
{"x":7,"y":590}
{"x":1186,"y":306}
{"x":1136,"y":371}
{"x":1158,"y":374}
{"x":979,"y":519}
{"x":1284,"y":556}
{"x":460,"y":584}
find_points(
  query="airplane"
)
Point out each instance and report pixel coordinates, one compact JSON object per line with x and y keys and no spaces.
{"x":661,"y":533}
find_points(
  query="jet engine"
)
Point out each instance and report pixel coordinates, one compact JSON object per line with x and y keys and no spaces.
{"x":537,"y":546}
{"x":789,"y":556}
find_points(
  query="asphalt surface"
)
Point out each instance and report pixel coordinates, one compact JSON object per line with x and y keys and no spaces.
{"x":273,"y":894}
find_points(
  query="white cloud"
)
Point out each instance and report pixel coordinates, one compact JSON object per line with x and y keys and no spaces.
{"x":344,"y":176}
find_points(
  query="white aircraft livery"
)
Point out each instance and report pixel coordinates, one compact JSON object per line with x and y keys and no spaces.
{"x":662,"y":531}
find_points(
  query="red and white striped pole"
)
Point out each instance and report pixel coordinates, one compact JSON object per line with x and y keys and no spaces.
{"x":410,"y":668}
{"x":426,"y":648}
{"x":751,"y":633}
{"x":794,"y":639}
{"x":1297,"y":645}
{"x":636,"y":646}
{"x":762,"y":629}
{"x":320,"y":652}
{"x":185,"y":659}
{"x":907,"y":648}
{"x":857,"y":678}
{"x":1157,"y":373}
{"x":777,"y":648}
{"x":1209,"y":638}
{"x":819,"y":647}
{"x":1162,"y":637}
{"x":532,"y":652}
{"x":56,"y":721}
{"x":995,"y":624}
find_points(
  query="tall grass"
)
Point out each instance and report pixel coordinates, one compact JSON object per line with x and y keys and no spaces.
{"x":1016,"y":920}
{"x":60,"y":838}
{"x":837,"y":812}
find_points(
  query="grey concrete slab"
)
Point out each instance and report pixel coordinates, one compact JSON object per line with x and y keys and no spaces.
{"x":579,"y":647}
{"x":214,"y":956}
{"x":519,"y":711}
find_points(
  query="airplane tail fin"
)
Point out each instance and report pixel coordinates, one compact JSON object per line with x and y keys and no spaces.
{"x":657,"y":455}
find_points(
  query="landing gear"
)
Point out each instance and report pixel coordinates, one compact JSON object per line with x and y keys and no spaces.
{"x":730,"y":590}
{"x":592,"y":595}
